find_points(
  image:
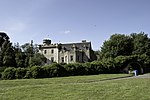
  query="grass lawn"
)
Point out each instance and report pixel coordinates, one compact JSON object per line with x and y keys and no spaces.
{"x":95,"y":87}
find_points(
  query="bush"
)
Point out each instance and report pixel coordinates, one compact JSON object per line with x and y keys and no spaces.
{"x":80,"y":69}
{"x":9,"y":73}
{"x":28,"y":74}
{"x":20,"y":73}
{"x":37,"y":72}
{"x":96,"y":67}
{"x":75,"y":69}
{"x":57,"y":70}
{"x":0,"y":75}
{"x":71,"y":69}
{"x":47,"y":71}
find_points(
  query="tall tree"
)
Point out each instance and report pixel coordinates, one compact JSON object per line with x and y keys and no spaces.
{"x":3,"y":38}
{"x":141,"y":44}
{"x":118,"y":44}
{"x":8,"y":54}
{"x":37,"y":60}
{"x":19,"y":56}
{"x":30,"y":50}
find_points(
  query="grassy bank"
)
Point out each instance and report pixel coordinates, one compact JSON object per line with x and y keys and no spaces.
{"x":96,"y":87}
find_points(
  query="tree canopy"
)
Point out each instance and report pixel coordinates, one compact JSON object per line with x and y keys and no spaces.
{"x":125,"y":45}
{"x":18,"y":56}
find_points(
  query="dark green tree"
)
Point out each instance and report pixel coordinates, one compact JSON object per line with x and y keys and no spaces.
{"x":19,"y":56}
{"x":8,"y":54}
{"x":28,"y":50}
{"x":141,"y":43}
{"x":32,"y":57}
{"x":118,"y":44}
{"x":37,"y":60}
{"x":3,"y":38}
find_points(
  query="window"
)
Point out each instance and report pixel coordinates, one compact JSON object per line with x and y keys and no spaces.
{"x":45,"y":51}
{"x":71,"y":58}
{"x":62,"y":59}
{"x":65,"y":58}
{"x":52,"y":51}
{"x":52,"y":59}
{"x":78,"y":58}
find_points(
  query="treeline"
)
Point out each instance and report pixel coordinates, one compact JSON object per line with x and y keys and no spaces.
{"x":117,"y":53}
{"x":18,"y":56}
{"x":125,"y":45}
{"x":108,"y":66}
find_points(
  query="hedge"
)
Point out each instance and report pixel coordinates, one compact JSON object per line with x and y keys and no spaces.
{"x":9,"y":73}
{"x":73,"y":69}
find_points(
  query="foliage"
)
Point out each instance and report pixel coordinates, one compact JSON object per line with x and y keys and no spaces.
{"x":57,"y":70}
{"x":20,"y":73}
{"x":118,"y":44}
{"x":28,"y":74}
{"x":141,"y":44}
{"x":75,"y":69}
{"x":19,"y":56}
{"x":125,"y":45}
{"x":9,"y":73}
{"x":7,"y":54}
{"x":115,"y":54}
{"x":37,"y":72}
{"x":37,"y":60}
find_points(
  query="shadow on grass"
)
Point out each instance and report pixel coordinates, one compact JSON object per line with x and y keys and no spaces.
{"x":107,"y":79}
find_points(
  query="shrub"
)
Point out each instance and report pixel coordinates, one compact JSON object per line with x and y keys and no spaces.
{"x":37,"y":72}
{"x":80,"y":69}
{"x":47,"y":71}
{"x":0,"y":75}
{"x":75,"y":69}
{"x":28,"y":74}
{"x":20,"y":73}
{"x":9,"y":73}
{"x":96,"y":67}
{"x":57,"y":70}
{"x":71,"y":69}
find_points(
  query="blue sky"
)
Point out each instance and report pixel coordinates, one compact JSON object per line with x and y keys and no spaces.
{"x":72,"y":20}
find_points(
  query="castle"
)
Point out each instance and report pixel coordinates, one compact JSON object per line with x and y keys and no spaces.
{"x":67,"y":53}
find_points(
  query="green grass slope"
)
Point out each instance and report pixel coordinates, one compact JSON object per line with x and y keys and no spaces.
{"x":96,"y":87}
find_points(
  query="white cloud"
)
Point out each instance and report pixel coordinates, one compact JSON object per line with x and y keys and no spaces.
{"x":67,"y":32}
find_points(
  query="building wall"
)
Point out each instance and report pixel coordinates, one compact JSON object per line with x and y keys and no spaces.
{"x":67,"y":57}
{"x":67,"y":53}
{"x":50,"y":53}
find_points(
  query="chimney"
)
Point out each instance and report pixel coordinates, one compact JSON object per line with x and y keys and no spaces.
{"x":83,"y":41}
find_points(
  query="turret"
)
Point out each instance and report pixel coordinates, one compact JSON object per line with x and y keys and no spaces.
{"x":46,"y":42}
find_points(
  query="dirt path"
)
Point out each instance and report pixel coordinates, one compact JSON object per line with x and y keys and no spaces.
{"x":142,"y":76}
{"x":128,"y":77}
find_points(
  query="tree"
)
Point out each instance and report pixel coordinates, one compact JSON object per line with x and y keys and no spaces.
{"x":37,"y":60}
{"x":28,"y":50}
{"x":3,"y":38}
{"x":8,"y":54}
{"x":118,"y":44}
{"x":141,"y":44}
{"x":19,"y":56}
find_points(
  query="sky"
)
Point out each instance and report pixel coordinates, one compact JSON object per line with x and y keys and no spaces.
{"x":65,"y":21}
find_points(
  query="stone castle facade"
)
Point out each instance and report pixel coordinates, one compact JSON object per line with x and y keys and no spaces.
{"x":67,"y":53}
